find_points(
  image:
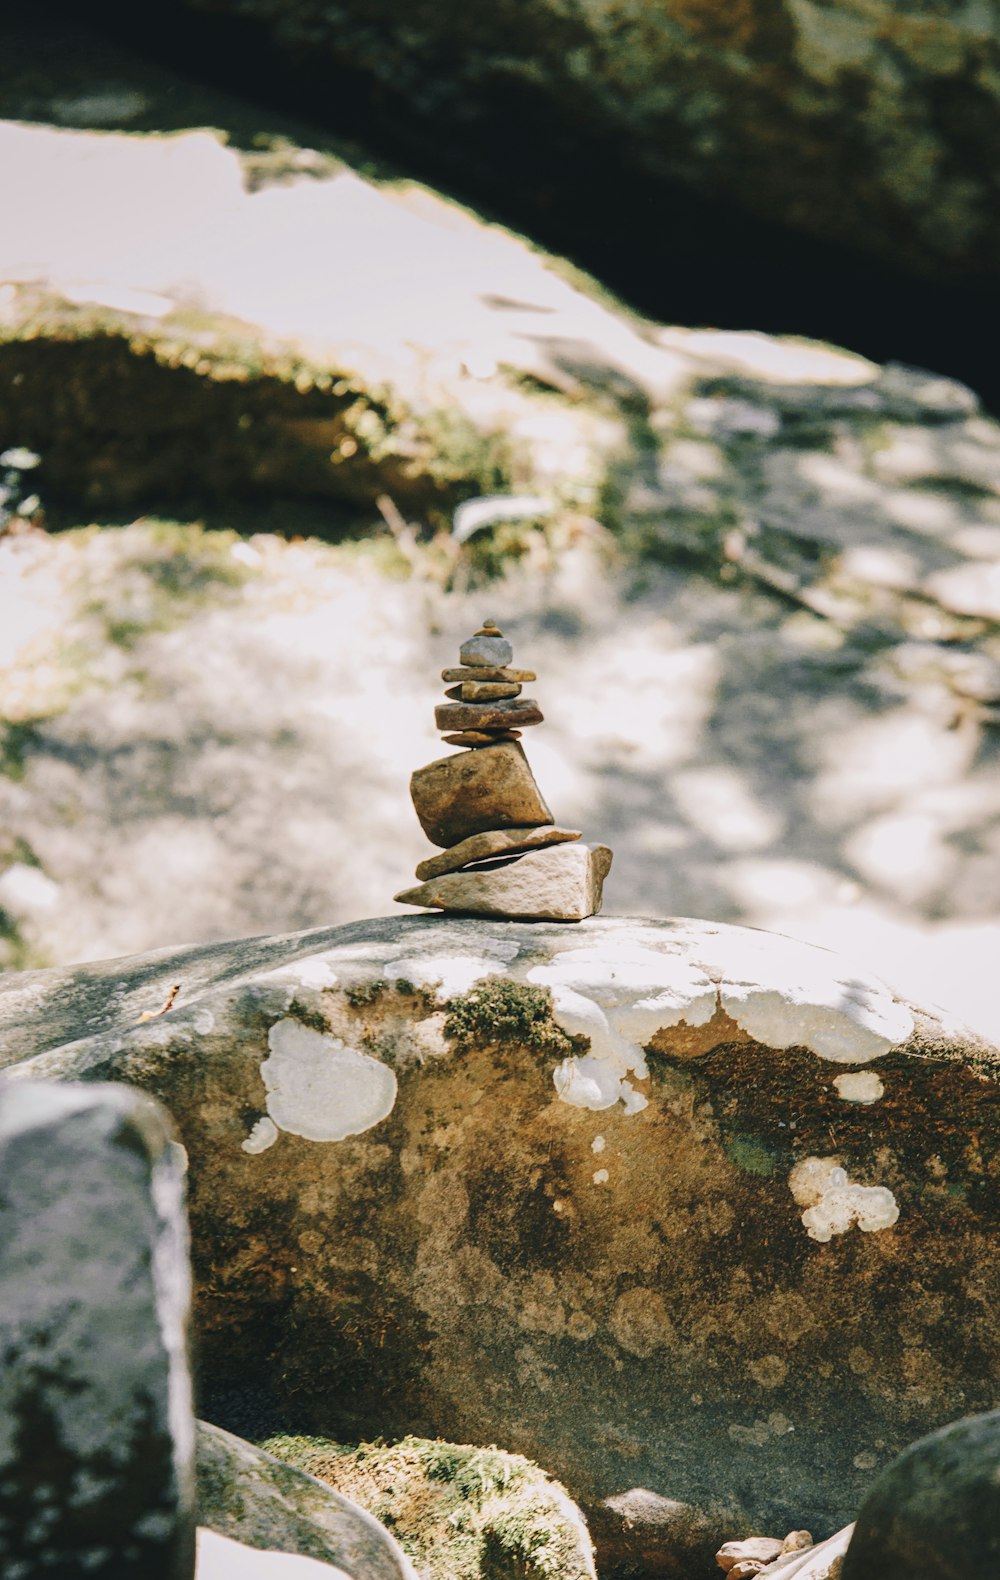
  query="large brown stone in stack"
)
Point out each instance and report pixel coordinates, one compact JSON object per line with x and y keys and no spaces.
{"x":502,"y":853}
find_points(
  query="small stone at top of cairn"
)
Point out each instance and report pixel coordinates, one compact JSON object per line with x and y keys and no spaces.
{"x":501,"y":852}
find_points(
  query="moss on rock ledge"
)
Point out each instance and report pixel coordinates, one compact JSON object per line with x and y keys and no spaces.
{"x":507,"y":1012}
{"x":461,"y":1513}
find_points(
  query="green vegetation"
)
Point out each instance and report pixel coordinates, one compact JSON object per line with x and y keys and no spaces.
{"x":460,"y":1513}
{"x":497,"y":1011}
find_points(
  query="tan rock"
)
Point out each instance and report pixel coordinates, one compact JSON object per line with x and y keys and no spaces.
{"x":488,"y":672}
{"x":484,"y":691}
{"x":562,"y":883}
{"x":487,"y":788}
{"x":753,"y":1549}
{"x":493,"y":842}
{"x":483,"y":715}
{"x":481,"y":737}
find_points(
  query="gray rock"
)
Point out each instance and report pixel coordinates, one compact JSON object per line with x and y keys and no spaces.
{"x":253,"y":1498}
{"x":469,"y":792}
{"x":563,"y":883}
{"x":96,"y":1429}
{"x":480,"y":650}
{"x":934,"y":1513}
{"x":519,"y":1251}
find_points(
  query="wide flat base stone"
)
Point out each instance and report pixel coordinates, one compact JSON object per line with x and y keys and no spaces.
{"x":563,"y":883}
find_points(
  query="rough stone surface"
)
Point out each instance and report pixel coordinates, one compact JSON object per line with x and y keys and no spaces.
{"x":253,"y":1498}
{"x":871,"y":121}
{"x":934,"y":1512}
{"x":481,"y":737}
{"x":96,"y":1429}
{"x":461,"y":1513}
{"x":494,"y":842}
{"x":483,"y":651}
{"x":470,"y":792}
{"x":563,"y":883}
{"x":504,"y":713}
{"x":456,"y":1271}
{"x":487,"y":691}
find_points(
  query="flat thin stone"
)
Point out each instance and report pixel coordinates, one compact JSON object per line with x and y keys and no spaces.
{"x":481,"y":737}
{"x":494,"y":842}
{"x":484,"y":715}
{"x":483,"y":691}
{"x":469,"y":792}
{"x":483,"y":649}
{"x":562,"y":883}
{"x":488,"y":672}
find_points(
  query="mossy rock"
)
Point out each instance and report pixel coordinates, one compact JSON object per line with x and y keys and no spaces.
{"x":460,"y":1512}
{"x":516,"y":1013}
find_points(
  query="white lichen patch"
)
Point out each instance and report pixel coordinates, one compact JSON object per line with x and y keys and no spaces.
{"x":832,"y":1203}
{"x":263,"y":1135}
{"x":448,"y":975}
{"x":315,"y":972}
{"x":618,"y":995}
{"x":319,"y":1088}
{"x":598,"y":1144}
{"x":601,"y":1176}
{"x":859,"y":1086}
{"x":786,"y":994}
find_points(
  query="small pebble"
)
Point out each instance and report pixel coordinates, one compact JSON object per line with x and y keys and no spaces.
{"x":488,"y":672}
{"x":480,"y":737}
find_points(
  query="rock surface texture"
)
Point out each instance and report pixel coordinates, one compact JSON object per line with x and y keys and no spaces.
{"x":872,"y":121}
{"x":484,"y":803}
{"x":566,"y":1212}
{"x":935,"y":1512}
{"x":96,"y":1428}
{"x":252,"y":1498}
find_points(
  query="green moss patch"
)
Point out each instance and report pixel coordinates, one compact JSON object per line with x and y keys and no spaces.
{"x":497,"y":1011}
{"x":460,"y":1513}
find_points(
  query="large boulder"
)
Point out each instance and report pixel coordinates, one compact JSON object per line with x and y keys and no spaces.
{"x":934,"y":1513}
{"x":697,"y":1218}
{"x":873,"y":123}
{"x":96,"y":1426}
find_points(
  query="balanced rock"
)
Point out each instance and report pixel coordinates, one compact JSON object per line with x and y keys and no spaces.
{"x":484,"y":691}
{"x":495,"y":842}
{"x":934,"y":1512}
{"x":96,"y":1425}
{"x":469,"y":792}
{"x":502,"y":714}
{"x":563,"y":883}
{"x":488,"y":672}
{"x":480,"y":737}
{"x":488,"y":647}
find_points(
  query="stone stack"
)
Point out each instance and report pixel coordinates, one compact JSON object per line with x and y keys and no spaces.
{"x":502,"y":853}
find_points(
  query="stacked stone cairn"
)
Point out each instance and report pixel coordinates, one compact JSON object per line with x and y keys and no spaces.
{"x":502,"y":853}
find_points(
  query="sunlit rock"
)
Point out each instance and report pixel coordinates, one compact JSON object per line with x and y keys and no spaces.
{"x":456,"y":1268}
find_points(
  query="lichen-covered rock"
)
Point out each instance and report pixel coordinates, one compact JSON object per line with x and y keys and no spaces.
{"x":935,"y":1511}
{"x":460,"y":1513}
{"x":96,"y":1427}
{"x":872,"y":121}
{"x":251,"y":1497}
{"x":575,"y":1231}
